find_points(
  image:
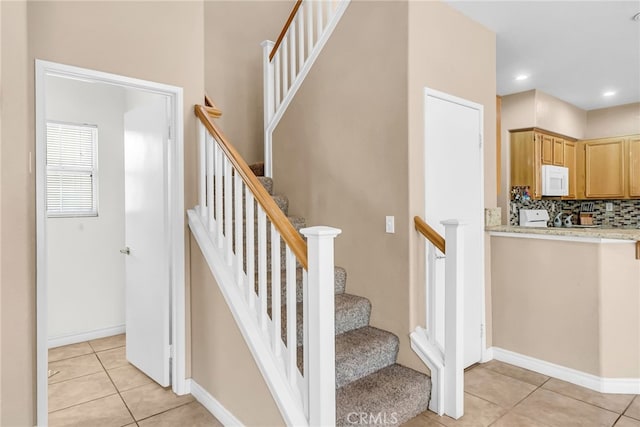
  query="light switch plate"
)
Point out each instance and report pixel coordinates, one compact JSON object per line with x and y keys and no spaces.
{"x":390,"y":226}
{"x":609,"y":207}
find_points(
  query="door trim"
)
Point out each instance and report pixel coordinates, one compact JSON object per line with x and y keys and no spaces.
{"x":428,"y":92}
{"x":175,"y":198}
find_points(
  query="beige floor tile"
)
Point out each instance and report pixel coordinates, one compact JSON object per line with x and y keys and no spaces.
{"x":68,"y":351}
{"x":128,"y":377}
{"x":557,"y":410}
{"x":79,"y":390}
{"x":613,"y":402}
{"x":108,"y":343}
{"x":477,"y":413}
{"x":192,"y":415}
{"x":113,"y":358}
{"x":516,"y":372}
{"x":627,"y":422}
{"x":105,"y":412}
{"x":74,"y":367}
{"x":494,"y":387}
{"x":151,"y":399}
{"x":514,"y":420}
{"x":634,"y":409}
{"x":422,"y":420}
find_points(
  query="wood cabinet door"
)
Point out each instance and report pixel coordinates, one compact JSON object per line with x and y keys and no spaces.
{"x":558,"y":151}
{"x":547,"y":149}
{"x":604,"y":168}
{"x":569,"y":156}
{"x":634,"y":166}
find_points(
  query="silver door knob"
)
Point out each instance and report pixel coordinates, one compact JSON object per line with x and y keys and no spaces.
{"x":125,"y":251}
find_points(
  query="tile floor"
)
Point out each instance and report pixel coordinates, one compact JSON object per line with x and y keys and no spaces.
{"x":94,"y":385}
{"x":502,"y":395}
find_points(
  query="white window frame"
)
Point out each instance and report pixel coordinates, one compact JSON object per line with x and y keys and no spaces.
{"x":93,"y":172}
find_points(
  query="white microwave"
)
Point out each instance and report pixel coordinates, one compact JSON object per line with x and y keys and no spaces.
{"x":555,"y":181}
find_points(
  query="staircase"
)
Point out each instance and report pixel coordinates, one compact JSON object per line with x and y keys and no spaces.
{"x":372,"y":389}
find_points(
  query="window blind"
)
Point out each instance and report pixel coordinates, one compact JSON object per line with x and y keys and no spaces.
{"x":71,"y":169}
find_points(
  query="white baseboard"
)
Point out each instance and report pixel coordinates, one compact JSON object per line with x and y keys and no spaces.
{"x":212,"y":404}
{"x":593,"y":382}
{"x":85,"y":336}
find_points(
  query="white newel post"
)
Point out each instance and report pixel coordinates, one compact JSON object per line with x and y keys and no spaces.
{"x":454,"y":319}
{"x":319,"y":317}
{"x":202,"y":170}
{"x":269,"y":105}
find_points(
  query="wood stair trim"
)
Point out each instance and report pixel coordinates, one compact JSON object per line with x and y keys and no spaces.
{"x":430,"y":234}
{"x":278,"y":218}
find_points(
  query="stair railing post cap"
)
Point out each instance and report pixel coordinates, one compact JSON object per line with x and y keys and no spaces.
{"x":320,"y":231}
{"x":453,"y":222}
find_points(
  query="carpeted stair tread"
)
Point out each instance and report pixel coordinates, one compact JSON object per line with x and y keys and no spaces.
{"x":282,"y":202}
{"x":390,"y":396}
{"x":257,"y":168}
{"x":267,"y":183}
{"x":340,"y":281}
{"x":363,"y":351}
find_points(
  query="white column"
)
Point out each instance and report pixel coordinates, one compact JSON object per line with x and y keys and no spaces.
{"x":454,"y":320}
{"x":269,"y":102}
{"x":319,"y":317}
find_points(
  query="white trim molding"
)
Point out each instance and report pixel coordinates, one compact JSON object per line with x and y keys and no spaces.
{"x":212,"y":404}
{"x":85,"y":336}
{"x":590,"y":381}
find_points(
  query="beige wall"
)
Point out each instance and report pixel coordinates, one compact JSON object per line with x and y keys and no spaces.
{"x":450,"y":53}
{"x":221,"y":362}
{"x":569,"y":303}
{"x":613,"y":121}
{"x":340,"y":155}
{"x":158,"y":41}
{"x":559,"y":116}
{"x":233,"y":66}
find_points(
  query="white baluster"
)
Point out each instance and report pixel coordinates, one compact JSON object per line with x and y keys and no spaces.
{"x":268,"y":81}
{"x":285,"y":65}
{"x":251,"y":255}
{"x":292,"y":44}
{"x":210,"y":144}
{"x":239,"y":242}
{"x":321,"y":332}
{"x":291,"y":302}
{"x":320,"y":17}
{"x":278,"y":78}
{"x":454,"y":320}
{"x":305,"y":339}
{"x":300,"y":38}
{"x":262,"y":267}
{"x":228,"y":210}
{"x":203,"y":203}
{"x":276,"y":307}
{"x":310,"y":36}
{"x":219,"y":171}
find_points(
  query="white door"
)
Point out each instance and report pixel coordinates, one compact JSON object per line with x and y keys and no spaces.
{"x":147,"y":237}
{"x":454,"y":189}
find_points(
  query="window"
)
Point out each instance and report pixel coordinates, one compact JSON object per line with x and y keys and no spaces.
{"x":71,"y":170}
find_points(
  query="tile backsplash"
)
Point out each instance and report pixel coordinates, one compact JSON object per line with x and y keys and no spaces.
{"x":626,"y":213}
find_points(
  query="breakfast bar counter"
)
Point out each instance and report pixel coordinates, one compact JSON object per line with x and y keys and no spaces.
{"x":595,"y":234}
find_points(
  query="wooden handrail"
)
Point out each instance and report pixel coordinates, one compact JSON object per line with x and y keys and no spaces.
{"x":285,"y":28}
{"x":288,"y":233}
{"x":211,"y":108}
{"x":432,"y":235}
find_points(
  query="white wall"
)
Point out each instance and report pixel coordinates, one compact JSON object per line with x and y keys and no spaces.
{"x":85,"y":267}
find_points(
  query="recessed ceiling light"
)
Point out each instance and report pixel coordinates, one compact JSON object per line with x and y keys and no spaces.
{"x":522,"y":77}
{"x":609,"y":93}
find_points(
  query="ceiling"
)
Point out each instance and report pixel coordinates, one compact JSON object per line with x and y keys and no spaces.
{"x":573,"y":50}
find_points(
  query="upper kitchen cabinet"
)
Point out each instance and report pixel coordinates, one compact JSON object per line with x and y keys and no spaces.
{"x":634,"y":166}
{"x":570,"y":161}
{"x":604,"y":168}
{"x":526,"y":149}
{"x":547,"y":149}
{"x":558,"y":151}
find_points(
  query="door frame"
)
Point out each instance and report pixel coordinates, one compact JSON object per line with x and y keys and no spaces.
{"x":176,"y":223}
{"x":428,"y":92}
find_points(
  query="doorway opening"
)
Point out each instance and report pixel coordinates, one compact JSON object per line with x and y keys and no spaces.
{"x":126,"y":186}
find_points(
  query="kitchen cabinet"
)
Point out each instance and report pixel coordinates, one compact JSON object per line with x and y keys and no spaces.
{"x":547,"y":149}
{"x":526,"y":150}
{"x":634,"y":166}
{"x":569,"y":158}
{"x":604,"y":168}
{"x":558,"y":151}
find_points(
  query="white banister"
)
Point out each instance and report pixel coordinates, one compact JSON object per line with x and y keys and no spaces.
{"x":443,"y":352}
{"x":321,"y":331}
{"x":285,"y":70}
{"x":454,"y":320}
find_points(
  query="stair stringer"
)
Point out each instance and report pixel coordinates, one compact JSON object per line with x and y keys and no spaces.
{"x":287,"y":400}
{"x":431,"y":355}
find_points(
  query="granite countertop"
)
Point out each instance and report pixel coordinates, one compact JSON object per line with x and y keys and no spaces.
{"x":599,"y":233}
